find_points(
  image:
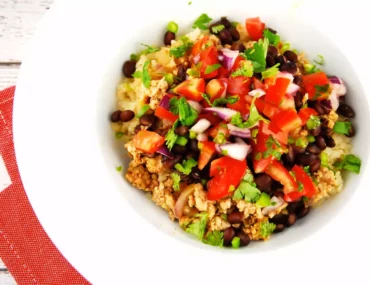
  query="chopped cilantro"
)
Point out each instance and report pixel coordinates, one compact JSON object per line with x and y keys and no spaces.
{"x":215,"y":238}
{"x":235,"y":24}
{"x":149,"y":49}
{"x":272,"y":146}
{"x":235,"y":243}
{"x":271,"y":72}
{"x":176,"y":181}
{"x":321,"y":60}
{"x":253,"y":118}
{"x":247,"y":192}
{"x":187,"y":114}
{"x":320,"y":90}
{"x":300,"y":186}
{"x":202,"y":22}
{"x":309,"y":68}
{"x":267,"y":229}
{"x":307,"y":169}
{"x":313,"y":122}
{"x":342,"y":127}
{"x":258,"y":156}
{"x":226,"y":100}
{"x":181,"y":50}
{"x":119,"y":135}
{"x":273,"y":38}
{"x":211,"y":68}
{"x":193,"y":72}
{"x":217,"y":29}
{"x":349,"y":162}
{"x":171,"y":136}
{"x":285,"y":47}
{"x":169,"y":78}
{"x":248,"y":176}
{"x":245,"y":70}
{"x":224,"y":217}
{"x":134,"y":57}
{"x":254,"y":133}
{"x":186,"y":166}
{"x":172,"y":27}
{"x":264,"y":200}
{"x":257,"y":55}
{"x":137,"y":74}
{"x":142,"y":111}
{"x":144,"y":75}
{"x":291,"y":140}
{"x":304,"y":199}
{"x":198,"y":227}
{"x":119,"y":168}
{"x":206,"y":98}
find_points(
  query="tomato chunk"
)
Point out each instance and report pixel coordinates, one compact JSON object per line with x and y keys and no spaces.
{"x":208,"y":58}
{"x":255,"y":28}
{"x":207,"y":150}
{"x":238,"y":85}
{"x":213,"y":119}
{"x":191,"y":89}
{"x":276,"y":92}
{"x":281,"y":137}
{"x":286,"y":120}
{"x":162,"y":113}
{"x":305,"y":114}
{"x":147,"y":141}
{"x":199,"y":45}
{"x":316,"y":85}
{"x":215,"y":89}
{"x":279,"y":173}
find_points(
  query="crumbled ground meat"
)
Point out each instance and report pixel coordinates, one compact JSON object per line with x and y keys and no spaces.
{"x":332,"y":117}
{"x":163,"y":197}
{"x":328,"y":183}
{"x":140,"y":177}
{"x":218,"y":224}
{"x":252,"y":227}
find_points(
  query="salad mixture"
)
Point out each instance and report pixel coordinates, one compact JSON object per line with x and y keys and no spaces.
{"x":231,"y":131}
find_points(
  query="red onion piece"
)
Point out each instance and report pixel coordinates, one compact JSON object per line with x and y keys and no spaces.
{"x":229,"y":57}
{"x":223,"y":113}
{"x":292,"y":89}
{"x":220,"y":57}
{"x":196,"y":58}
{"x":197,"y":107}
{"x":278,"y":203}
{"x":182,"y":200}
{"x":202,"y":137}
{"x":200,"y":126}
{"x":239,"y":132}
{"x":285,"y":74}
{"x":165,"y":102}
{"x":335,"y":80}
{"x":338,"y":86}
{"x":333,"y":99}
{"x":257,"y":92}
{"x":235,"y":150}
{"x":223,"y":95}
{"x":164,"y":151}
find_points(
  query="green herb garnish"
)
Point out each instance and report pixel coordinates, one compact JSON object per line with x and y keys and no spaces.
{"x":172,"y":27}
{"x":142,"y":111}
{"x":349,"y":162}
{"x":247,"y":191}
{"x":342,"y":127}
{"x":119,"y":135}
{"x":264,"y":200}
{"x":211,"y":68}
{"x":253,"y":118}
{"x":149,"y":49}
{"x":171,"y":136}
{"x":187,"y":114}
{"x":313,"y":122}
{"x":176,"y":181}
{"x":267,"y":229}
{"x":273,"y":38}
{"x":257,"y":55}
{"x":215,"y":238}
{"x":180,"y":50}
{"x":245,"y":70}
{"x":271,"y":72}
{"x":226,"y":100}
{"x":134,"y":57}
{"x":202,"y":22}
{"x":217,"y":29}
{"x":186,"y":166}
{"x":198,"y":227}
{"x":321,"y":60}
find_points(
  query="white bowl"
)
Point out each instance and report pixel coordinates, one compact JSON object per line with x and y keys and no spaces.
{"x":67,"y":153}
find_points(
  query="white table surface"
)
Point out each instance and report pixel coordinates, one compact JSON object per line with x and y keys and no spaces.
{"x":18,"y":20}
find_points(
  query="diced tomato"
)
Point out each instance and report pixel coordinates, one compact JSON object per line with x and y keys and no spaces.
{"x":270,"y":110}
{"x":199,"y":45}
{"x":260,"y":164}
{"x":238,"y":85}
{"x":241,"y":105}
{"x":286,"y":120}
{"x":260,"y":104}
{"x":213,"y":119}
{"x":226,"y":172}
{"x":287,"y":102}
{"x":309,"y":188}
{"x":147,"y":141}
{"x":305,"y":113}
{"x":279,"y":173}
{"x":207,"y":150}
{"x":281,"y":137}
{"x":312,"y":81}
{"x":269,"y":82}
{"x":249,"y":99}
{"x":208,"y":58}
{"x":191,"y":89}
{"x":292,"y":196}
{"x":223,"y":72}
{"x":238,"y":63}
{"x":220,"y":128}
{"x":162,"y":113}
{"x":215,"y":89}
{"x":258,"y":84}
{"x":255,"y":28}
{"x":276,"y":92}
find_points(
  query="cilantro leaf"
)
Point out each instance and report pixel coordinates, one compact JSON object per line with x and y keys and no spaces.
{"x":257,"y":55}
{"x":253,"y":118}
{"x":134,"y":57}
{"x":202,"y":22}
{"x":300,"y":186}
{"x":217,"y":29}
{"x":206,"y":98}
{"x":272,"y":71}
{"x":171,"y":136}
{"x":187,"y":114}
{"x":349,"y":162}
{"x":321,"y":60}
{"x":342,"y":127}
{"x":248,"y":176}
{"x":273,"y":38}
{"x":149,"y":49}
{"x":321,"y":90}
{"x":146,"y":76}
{"x":198,"y":227}
{"x":247,"y":192}
{"x":264,"y":200}
{"x":267,"y":229}
{"x":176,"y":181}
{"x":211,"y":68}
{"x":313,"y":122}
{"x":186,"y":166}
{"x":119,"y":135}
{"x":215,"y":238}
{"x":245,"y":70}
{"x":180,"y":50}
{"x":227,"y":100}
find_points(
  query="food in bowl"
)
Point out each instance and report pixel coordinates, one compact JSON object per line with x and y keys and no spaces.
{"x":231,"y":131}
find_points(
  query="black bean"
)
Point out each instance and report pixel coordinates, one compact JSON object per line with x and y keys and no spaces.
{"x":279,"y":194}
{"x":147,"y":119}
{"x":181,"y":73}
{"x":293,"y":206}
{"x":115,"y":117}
{"x":194,"y":145}
{"x":182,"y":130}
{"x":320,"y":141}
{"x":281,"y":59}
{"x":302,"y":212}
{"x":298,"y":80}
{"x":316,"y":131}
{"x":169,"y":163}
{"x":279,"y":228}
{"x":238,"y":46}
{"x":330,"y":142}
{"x":263,"y":181}
{"x":179,"y":149}
{"x":168,"y":37}
{"x":315,"y":166}
{"x":290,"y":155}
{"x":272,"y":30}
{"x":235,"y":217}
{"x":292,"y":218}
{"x":326,"y":131}
{"x":313,"y":148}
{"x":306,"y":158}
{"x":342,"y":99}
{"x":244,"y":239}
{"x":351,"y":131}
{"x":234,"y":33}
{"x":270,"y":61}
{"x":291,"y":56}
{"x":129,"y":68}
{"x":224,"y":21}
{"x":272,"y":51}
{"x":192,"y":154}
{"x":279,"y":219}
{"x":319,"y":109}
{"x":326,"y":105}
{"x":298,"y":100}
{"x":195,"y":173}
{"x":289,"y":67}
{"x":229,"y":234}
{"x":137,"y":129}
{"x":346,"y":111}
{"x":126,"y":116}
{"x":225,"y":37}
{"x":324,"y":122}
{"x":298,"y":149}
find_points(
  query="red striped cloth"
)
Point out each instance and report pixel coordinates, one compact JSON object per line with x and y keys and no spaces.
{"x":25,"y":248}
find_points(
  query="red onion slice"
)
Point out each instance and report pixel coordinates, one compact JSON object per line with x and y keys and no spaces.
{"x":223,"y":113}
{"x":165,"y":102}
{"x":235,"y":150}
{"x":338,"y":86}
{"x":257,"y":92}
{"x":239,"y":132}
{"x":200,"y":126}
{"x":202,"y":137}
{"x":292,"y":89}
{"x":285,"y":74}
{"x":196,"y":58}
{"x":197,"y":107}
{"x":334,"y":102}
{"x":279,"y":202}
{"x":182,"y":200}
{"x":164,"y":151}
{"x":229,"y":57}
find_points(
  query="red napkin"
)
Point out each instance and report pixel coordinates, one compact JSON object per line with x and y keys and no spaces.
{"x":25,"y":248}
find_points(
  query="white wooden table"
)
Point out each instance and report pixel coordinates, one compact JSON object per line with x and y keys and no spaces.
{"x":18,"y":20}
